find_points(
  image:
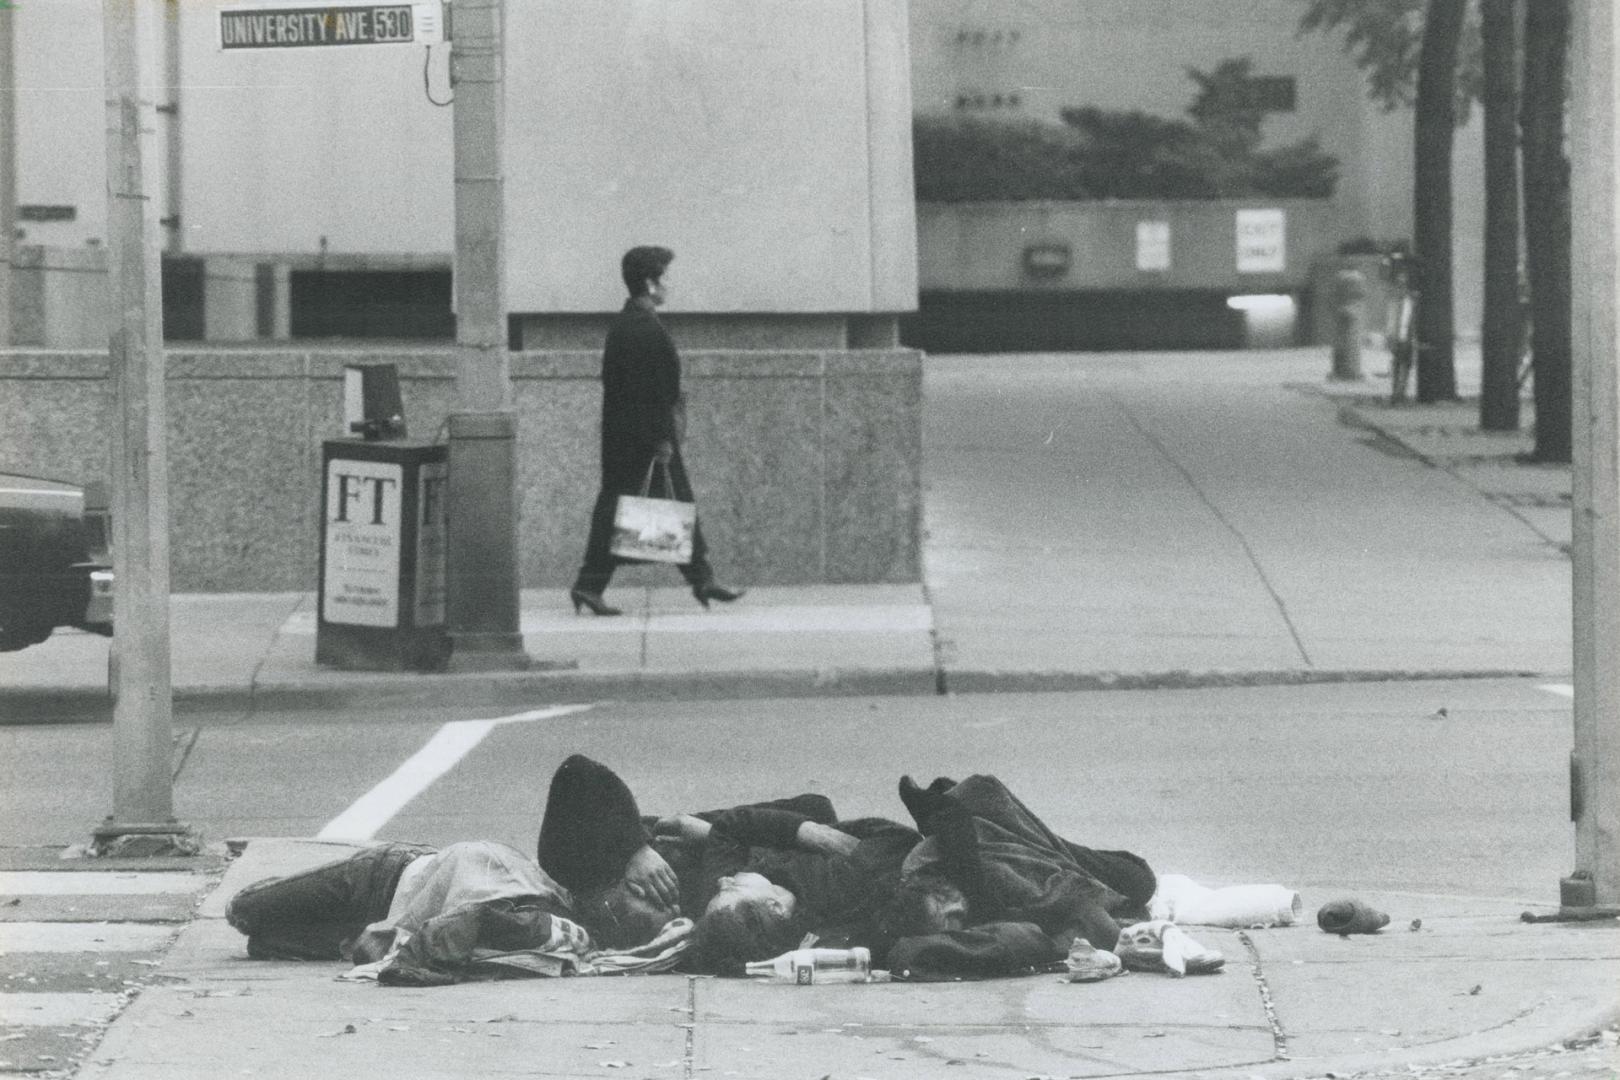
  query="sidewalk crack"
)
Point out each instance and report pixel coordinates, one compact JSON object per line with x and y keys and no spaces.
{"x":1279,"y":1038}
{"x":1209,"y":504}
{"x":687,"y":1059}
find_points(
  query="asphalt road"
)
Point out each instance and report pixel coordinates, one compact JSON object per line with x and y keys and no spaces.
{"x":1450,"y":788}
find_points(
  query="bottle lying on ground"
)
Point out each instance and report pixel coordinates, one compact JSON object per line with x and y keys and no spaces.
{"x":807,"y":966}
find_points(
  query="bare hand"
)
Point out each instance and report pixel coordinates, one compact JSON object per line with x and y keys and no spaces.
{"x":683,"y":827}
{"x":648,"y":876}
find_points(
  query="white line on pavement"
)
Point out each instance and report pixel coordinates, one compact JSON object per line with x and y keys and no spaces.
{"x":72,"y":937}
{"x":1561,"y":689}
{"x":76,"y":882}
{"x":449,"y":745}
{"x":58,"y":1008}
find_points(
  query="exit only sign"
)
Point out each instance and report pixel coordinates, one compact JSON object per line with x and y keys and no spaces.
{"x":330,"y":25}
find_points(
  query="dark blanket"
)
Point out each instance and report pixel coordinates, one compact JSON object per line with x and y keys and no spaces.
{"x":988,"y":951}
{"x":1013,"y":869}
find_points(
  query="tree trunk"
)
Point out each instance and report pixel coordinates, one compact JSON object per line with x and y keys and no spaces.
{"x":1547,"y":223}
{"x":1433,"y":127}
{"x":1501,"y":330}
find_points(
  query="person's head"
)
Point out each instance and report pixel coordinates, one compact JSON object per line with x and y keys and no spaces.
{"x":925,"y":904}
{"x":619,"y":919}
{"x":749,"y":918}
{"x":643,"y":271}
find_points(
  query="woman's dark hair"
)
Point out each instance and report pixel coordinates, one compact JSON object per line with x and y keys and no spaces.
{"x":727,"y":938}
{"x":643,"y":264}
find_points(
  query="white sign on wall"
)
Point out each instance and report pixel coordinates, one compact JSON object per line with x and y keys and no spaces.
{"x":363,"y":523}
{"x":1152,"y":245}
{"x":1262,"y":241}
{"x":432,"y":532}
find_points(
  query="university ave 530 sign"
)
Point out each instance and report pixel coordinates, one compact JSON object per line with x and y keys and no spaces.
{"x":303,"y":27}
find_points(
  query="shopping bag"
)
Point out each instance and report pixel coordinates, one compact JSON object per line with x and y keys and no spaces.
{"x":650,"y":529}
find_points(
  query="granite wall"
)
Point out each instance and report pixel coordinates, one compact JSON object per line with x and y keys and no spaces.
{"x":806,"y":464}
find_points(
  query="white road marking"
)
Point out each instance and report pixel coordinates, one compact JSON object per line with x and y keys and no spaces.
{"x":449,"y":745}
{"x":1561,"y":689}
{"x":72,"y":937}
{"x":97,"y":883}
{"x":58,"y":1009}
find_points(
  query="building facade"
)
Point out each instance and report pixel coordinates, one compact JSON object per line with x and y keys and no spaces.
{"x":1031,"y":59}
{"x":768,"y":143}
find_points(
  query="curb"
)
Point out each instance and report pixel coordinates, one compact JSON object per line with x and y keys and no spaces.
{"x":337,"y":692}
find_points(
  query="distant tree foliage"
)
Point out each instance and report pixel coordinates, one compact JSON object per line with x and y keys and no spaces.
{"x":968,"y":159}
{"x":1104,"y":154}
{"x":1385,"y":37}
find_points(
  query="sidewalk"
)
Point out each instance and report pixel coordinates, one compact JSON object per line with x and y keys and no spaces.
{"x":1467,"y":983}
{"x":1090,"y":522}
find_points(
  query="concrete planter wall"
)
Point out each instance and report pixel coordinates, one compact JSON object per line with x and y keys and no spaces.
{"x":806,"y":464}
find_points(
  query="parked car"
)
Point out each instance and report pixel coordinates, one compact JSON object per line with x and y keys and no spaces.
{"x":55,"y":561}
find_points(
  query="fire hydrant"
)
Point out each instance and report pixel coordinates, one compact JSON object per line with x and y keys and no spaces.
{"x":1349,"y":292}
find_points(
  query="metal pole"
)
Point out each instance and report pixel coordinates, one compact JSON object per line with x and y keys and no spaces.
{"x":1595,"y":761}
{"x":143,"y":703}
{"x":8,"y":171}
{"x":483,"y":575}
{"x":174,"y":236}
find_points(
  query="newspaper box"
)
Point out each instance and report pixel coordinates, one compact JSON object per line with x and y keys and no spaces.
{"x":381,"y":604}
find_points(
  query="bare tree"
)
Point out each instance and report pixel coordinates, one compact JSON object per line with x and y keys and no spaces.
{"x":1501,"y":335}
{"x":1547,"y":222}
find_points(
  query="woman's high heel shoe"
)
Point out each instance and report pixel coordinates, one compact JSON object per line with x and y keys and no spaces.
{"x":592,"y":600}
{"x":710,"y":591}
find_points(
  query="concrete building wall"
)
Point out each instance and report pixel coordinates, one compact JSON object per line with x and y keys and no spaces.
{"x":988,"y":246}
{"x":61,"y":297}
{"x":806,"y":464}
{"x":767,"y":141}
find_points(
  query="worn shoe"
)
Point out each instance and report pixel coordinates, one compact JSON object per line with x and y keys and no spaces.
{"x":1157,"y":945}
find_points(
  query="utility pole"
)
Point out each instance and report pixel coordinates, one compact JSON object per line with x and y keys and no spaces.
{"x":1595,"y":760}
{"x":483,"y":576}
{"x":142,"y":821}
{"x":8,"y":172}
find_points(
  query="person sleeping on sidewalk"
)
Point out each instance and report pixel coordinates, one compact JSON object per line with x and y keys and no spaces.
{"x":757,"y":878}
{"x":991,"y":890}
{"x":408,"y":915}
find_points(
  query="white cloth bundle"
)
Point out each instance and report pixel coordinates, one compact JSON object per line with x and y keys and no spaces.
{"x":1182,"y":900}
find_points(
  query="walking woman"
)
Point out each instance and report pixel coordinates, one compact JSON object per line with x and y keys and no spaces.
{"x":643,"y":421}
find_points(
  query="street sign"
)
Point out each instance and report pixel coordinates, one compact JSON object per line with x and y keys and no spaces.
{"x":330,"y":25}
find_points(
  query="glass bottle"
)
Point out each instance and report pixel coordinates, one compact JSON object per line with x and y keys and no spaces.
{"x":807,"y":966}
